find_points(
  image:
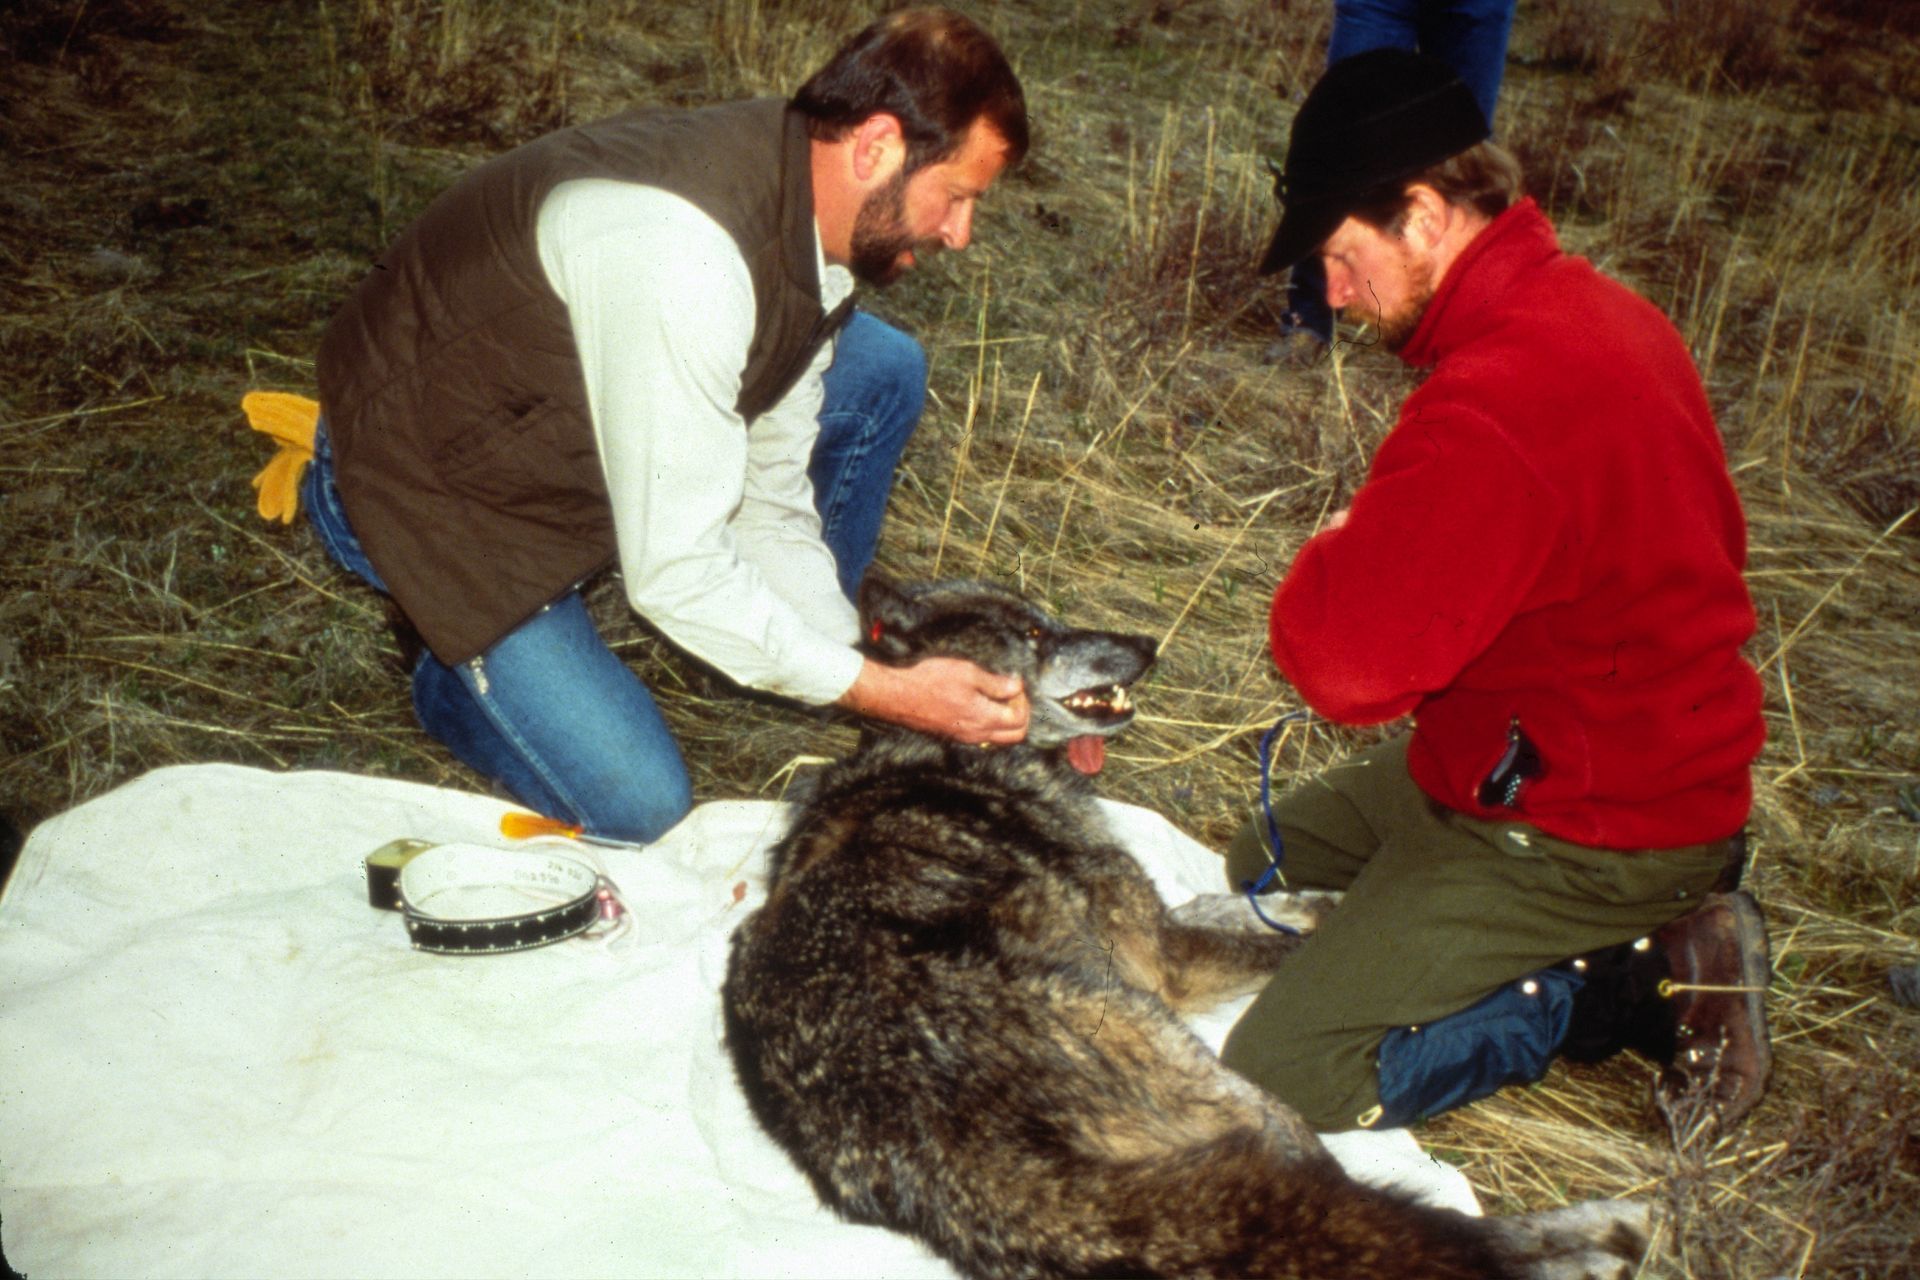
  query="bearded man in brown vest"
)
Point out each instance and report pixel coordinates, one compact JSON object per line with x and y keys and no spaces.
{"x":631,"y":343}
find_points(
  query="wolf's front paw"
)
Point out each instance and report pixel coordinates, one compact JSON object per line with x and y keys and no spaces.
{"x":1234,"y":913}
{"x":1593,"y":1240}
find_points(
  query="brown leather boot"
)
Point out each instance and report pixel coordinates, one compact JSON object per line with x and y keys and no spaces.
{"x":1716,"y":997}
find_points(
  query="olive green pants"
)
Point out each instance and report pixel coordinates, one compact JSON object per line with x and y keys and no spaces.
{"x":1440,"y":909}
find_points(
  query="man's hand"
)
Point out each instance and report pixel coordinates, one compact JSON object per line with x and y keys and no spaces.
{"x":946,"y":696}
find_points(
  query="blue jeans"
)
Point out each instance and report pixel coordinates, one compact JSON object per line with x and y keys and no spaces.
{"x":875,"y":389}
{"x":1470,"y":36}
{"x":549,"y":712}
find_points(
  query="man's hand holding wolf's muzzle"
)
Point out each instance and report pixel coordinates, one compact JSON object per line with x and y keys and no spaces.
{"x":947,"y":696}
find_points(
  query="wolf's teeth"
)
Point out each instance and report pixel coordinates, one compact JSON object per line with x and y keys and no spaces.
{"x":1113,"y":700}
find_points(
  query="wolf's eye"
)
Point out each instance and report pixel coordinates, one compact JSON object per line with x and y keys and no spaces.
{"x":1036,"y":634}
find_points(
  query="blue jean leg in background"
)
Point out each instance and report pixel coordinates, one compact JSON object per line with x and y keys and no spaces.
{"x":1470,"y":36}
{"x":875,"y":390}
{"x":1307,"y":309}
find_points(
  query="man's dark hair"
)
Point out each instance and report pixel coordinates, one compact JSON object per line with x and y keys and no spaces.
{"x":937,"y":71}
{"x":1485,"y":177}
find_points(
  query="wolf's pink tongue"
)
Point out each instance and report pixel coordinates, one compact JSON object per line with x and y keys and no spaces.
{"x":1087,"y":753}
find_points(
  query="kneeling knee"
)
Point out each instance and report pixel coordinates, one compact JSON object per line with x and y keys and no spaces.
{"x":644,"y":812}
{"x":894,"y":363}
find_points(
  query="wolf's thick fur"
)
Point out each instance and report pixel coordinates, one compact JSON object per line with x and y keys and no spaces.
{"x":957,"y":1012}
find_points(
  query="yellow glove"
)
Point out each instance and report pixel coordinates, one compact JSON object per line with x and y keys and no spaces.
{"x":290,"y":420}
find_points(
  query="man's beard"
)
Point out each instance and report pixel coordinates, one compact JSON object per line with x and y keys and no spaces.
{"x":880,"y":235}
{"x":1396,"y":330}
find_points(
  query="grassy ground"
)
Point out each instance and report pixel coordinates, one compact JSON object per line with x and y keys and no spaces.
{"x":193,"y":187}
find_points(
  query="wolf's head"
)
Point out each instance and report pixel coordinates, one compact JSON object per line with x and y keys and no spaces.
{"x":1077,"y":681}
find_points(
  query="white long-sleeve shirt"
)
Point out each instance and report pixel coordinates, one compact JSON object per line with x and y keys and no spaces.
{"x":719,"y":542}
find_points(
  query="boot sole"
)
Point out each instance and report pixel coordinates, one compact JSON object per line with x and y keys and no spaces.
{"x":1756,"y":973}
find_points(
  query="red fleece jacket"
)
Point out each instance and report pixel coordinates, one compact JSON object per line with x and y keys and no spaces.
{"x":1547,"y":541}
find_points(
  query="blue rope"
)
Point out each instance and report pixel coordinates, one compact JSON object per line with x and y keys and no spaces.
{"x":1276,"y":848}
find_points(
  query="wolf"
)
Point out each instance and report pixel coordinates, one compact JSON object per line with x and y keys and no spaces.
{"x":958,"y":1011}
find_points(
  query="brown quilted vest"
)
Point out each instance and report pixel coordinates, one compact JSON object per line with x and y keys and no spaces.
{"x":454,"y":399}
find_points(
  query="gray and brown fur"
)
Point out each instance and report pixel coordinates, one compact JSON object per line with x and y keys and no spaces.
{"x":958,"y":1011}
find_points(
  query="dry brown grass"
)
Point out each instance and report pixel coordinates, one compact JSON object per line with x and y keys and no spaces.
{"x":193,"y":187}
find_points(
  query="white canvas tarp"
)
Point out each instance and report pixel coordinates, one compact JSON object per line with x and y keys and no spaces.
{"x":219,"y":1060}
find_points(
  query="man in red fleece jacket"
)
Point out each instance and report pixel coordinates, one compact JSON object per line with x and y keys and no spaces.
{"x":1543,"y":569}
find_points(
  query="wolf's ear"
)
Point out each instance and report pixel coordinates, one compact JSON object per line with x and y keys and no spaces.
{"x":889,"y":614}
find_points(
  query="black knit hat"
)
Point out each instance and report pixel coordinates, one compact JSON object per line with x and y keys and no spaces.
{"x":1374,"y":119}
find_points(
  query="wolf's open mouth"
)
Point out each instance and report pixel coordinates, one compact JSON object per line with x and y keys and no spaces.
{"x":1104,"y":702}
{"x":1103,"y":708}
